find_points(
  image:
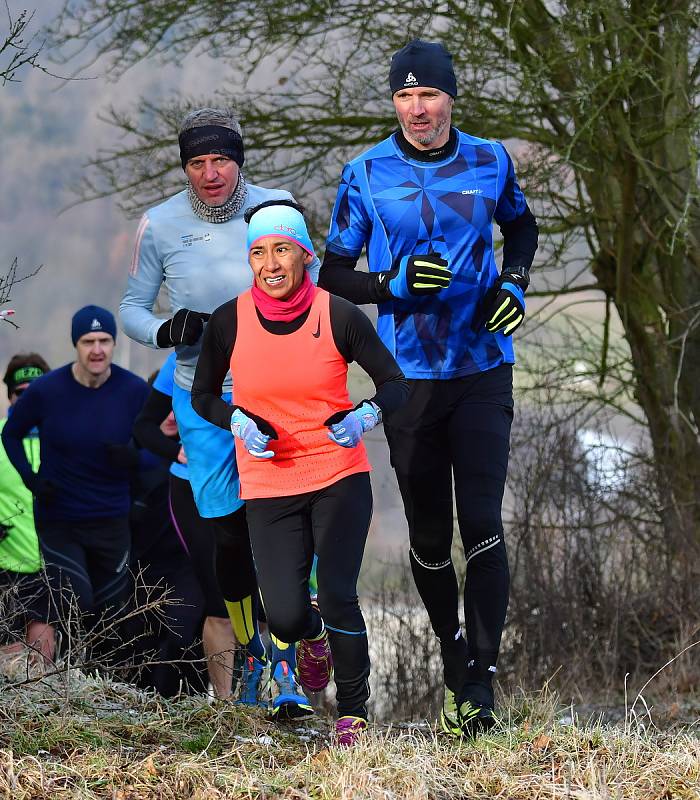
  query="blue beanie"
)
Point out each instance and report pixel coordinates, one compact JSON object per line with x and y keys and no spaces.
{"x":92,"y":319}
{"x":422,"y":63}
{"x":281,"y":221}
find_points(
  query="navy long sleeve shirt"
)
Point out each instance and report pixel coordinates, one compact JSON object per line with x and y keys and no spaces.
{"x":76,"y":426}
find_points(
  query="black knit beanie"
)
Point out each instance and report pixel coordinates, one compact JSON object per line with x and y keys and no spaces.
{"x":422,"y":63}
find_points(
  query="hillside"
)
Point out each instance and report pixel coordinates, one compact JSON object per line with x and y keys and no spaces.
{"x":73,"y":736}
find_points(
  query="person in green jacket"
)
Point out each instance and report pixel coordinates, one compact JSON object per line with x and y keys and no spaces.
{"x":22,"y":590}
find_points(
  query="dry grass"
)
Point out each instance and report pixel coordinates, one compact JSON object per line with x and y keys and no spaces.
{"x":111,"y":741}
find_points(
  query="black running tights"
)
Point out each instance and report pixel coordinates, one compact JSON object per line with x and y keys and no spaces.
{"x":457,"y":429}
{"x":285,"y":532}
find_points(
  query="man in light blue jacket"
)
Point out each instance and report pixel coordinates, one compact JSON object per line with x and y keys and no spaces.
{"x":195,"y":245}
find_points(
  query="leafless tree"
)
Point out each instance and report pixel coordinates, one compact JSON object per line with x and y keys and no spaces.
{"x":7,"y":282}
{"x":19,"y":46}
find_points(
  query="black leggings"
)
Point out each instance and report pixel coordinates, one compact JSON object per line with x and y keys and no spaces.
{"x":218,"y":546}
{"x":459,"y":428}
{"x":285,"y":532}
{"x":235,"y":571}
{"x":87,"y":561}
{"x":92,"y":557}
{"x":199,"y":538}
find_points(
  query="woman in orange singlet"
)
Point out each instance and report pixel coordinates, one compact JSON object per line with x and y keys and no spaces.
{"x":303,"y":467}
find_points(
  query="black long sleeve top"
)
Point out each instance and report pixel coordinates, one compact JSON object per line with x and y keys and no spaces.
{"x":147,"y":431}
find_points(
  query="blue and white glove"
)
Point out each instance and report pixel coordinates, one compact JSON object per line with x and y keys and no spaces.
{"x":347,"y":427}
{"x":254,"y":432}
{"x":417,"y":276}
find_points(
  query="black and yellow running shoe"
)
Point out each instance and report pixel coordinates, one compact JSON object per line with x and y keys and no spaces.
{"x":449,"y":714}
{"x":475,"y":709}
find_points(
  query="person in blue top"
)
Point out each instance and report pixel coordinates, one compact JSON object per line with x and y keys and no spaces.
{"x":422,"y":204}
{"x":156,"y":429}
{"x":84,"y":412}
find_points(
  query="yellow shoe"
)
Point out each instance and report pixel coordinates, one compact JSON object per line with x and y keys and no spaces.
{"x":449,"y":715}
{"x":476,"y":709}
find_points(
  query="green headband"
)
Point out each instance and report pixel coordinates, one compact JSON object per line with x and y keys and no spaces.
{"x":24,"y":374}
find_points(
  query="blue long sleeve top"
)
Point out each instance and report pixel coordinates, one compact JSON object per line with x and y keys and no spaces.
{"x":76,"y":425}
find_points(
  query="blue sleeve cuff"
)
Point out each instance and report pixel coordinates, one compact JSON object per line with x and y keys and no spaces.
{"x":513,"y":288}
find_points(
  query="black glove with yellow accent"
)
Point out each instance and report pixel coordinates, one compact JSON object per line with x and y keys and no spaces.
{"x":503,"y":308}
{"x":417,"y":275}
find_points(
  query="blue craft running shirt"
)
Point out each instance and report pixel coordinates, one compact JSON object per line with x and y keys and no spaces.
{"x":396,"y":206}
{"x":164,"y":382}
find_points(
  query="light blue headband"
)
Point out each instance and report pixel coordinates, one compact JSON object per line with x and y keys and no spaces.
{"x":281,"y":221}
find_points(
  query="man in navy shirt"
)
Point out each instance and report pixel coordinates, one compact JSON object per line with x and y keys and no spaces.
{"x":422,"y":203}
{"x":84,"y":413}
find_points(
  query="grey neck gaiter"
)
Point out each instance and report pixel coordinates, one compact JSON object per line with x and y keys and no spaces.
{"x":221,"y":213}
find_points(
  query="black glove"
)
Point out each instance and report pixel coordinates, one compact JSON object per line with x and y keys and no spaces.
{"x":43,"y":489}
{"x":122,"y":456}
{"x":185,"y":327}
{"x":503,"y":306}
{"x":414,"y":276}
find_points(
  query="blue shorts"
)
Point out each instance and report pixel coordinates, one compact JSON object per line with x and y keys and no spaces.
{"x":211,"y":459}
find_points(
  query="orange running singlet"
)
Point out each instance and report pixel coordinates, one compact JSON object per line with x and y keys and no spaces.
{"x":294,"y":381}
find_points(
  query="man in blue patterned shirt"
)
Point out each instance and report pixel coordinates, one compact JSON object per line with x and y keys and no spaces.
{"x":422,"y":204}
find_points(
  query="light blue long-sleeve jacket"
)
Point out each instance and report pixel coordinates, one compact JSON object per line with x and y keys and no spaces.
{"x":200,"y":264}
